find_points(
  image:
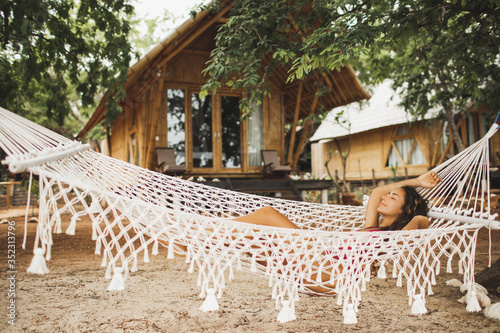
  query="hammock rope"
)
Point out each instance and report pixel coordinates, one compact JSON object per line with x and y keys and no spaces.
{"x":135,"y":212}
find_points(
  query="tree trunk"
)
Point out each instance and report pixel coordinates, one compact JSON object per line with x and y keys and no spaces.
{"x":343,"y":157}
{"x":490,"y":276}
{"x":450,"y":118}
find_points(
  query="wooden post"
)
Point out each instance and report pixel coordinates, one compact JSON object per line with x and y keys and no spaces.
{"x":154,"y":124}
{"x":448,"y":146}
{"x":9,"y":193}
{"x":302,"y":140}
{"x":294,"y":126}
{"x":434,"y":156}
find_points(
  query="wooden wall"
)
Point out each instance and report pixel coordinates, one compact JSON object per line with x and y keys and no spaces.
{"x":370,"y":150}
{"x":182,"y":71}
{"x":274,"y":123}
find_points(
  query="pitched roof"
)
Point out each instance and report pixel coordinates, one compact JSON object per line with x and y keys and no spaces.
{"x":344,"y":85}
{"x":381,"y":110}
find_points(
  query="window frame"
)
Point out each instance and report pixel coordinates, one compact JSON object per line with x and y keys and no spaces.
{"x":395,"y":137}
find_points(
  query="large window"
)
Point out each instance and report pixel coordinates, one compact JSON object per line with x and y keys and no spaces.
{"x":405,"y":149}
{"x":230,"y":132}
{"x":255,"y":136}
{"x":202,"y":131}
{"x":176,"y":119}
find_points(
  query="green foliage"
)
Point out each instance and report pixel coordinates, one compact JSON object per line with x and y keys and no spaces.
{"x":49,"y":47}
{"x":441,"y":53}
{"x":149,"y":31}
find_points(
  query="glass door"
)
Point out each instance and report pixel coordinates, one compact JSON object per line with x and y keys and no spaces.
{"x":216,"y":133}
{"x":230,"y":132}
{"x":202,"y":131}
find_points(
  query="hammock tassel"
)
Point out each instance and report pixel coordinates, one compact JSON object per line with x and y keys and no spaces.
{"x":104,"y":259}
{"x":38,"y":264}
{"x":394,"y":271}
{"x":381,"y":274}
{"x":210,"y":303}
{"x":363,"y":284}
{"x":448,"y":266}
{"x":399,"y":282}
{"x":472,"y":302}
{"x":350,"y":315}
{"x":118,"y":281}
{"x":94,"y":231}
{"x":170,"y":254}
{"x":155,"y":247}
{"x":107,"y":276}
{"x":429,"y":289}
{"x":97,"y":247}
{"x":72,"y":226}
{"x":191,"y":267}
{"x":286,"y":313}
{"x":418,"y":307}
{"x":271,"y":278}
{"x":146,"y":254}
{"x":274,"y":293}
{"x":134,"y":264}
{"x":253,"y":265}
{"x":57,"y":226}
{"x":339,"y":298}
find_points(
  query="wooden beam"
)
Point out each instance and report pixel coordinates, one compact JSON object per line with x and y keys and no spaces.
{"x":303,"y":98}
{"x":302,"y":140}
{"x":411,"y":151}
{"x":196,"y":52}
{"x":398,"y":153}
{"x":436,"y":149}
{"x":448,"y":146}
{"x":295,"y":120}
{"x":341,"y":92}
{"x":192,"y":37}
{"x":154,"y":124}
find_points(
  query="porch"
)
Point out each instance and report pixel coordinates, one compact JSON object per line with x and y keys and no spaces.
{"x":284,"y":188}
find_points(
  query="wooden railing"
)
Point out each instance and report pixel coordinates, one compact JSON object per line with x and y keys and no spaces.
{"x":9,"y":193}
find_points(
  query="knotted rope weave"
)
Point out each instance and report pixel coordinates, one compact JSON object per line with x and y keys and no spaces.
{"x":136,"y":211}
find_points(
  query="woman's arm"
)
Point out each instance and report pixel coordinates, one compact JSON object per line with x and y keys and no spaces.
{"x":418,"y":222}
{"x":428,"y":179}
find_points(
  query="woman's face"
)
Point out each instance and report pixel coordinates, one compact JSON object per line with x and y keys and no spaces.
{"x":392,"y":203}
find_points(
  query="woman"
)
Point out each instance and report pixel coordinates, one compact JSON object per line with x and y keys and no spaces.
{"x":395,"y":206}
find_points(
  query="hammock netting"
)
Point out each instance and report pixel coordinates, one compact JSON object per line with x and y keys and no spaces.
{"x":136,"y":212}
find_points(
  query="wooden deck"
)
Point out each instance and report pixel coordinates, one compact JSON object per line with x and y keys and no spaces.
{"x":284,"y":188}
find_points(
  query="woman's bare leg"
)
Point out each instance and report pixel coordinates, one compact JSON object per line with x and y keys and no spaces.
{"x":267,"y":216}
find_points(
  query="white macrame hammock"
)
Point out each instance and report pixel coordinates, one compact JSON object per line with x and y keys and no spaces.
{"x":135,"y":211}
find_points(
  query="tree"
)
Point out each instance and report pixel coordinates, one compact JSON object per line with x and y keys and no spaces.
{"x":48,"y":46}
{"x":442,"y":53}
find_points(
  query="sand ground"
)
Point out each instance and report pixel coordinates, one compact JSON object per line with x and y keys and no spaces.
{"x":163,"y":297}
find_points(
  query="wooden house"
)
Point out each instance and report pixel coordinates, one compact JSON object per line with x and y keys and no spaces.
{"x":163,"y":108}
{"x":385,"y":142}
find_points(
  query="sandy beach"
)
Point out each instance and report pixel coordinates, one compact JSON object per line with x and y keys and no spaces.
{"x":163,"y":297}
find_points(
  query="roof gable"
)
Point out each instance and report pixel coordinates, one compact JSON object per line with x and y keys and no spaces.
{"x":343,"y":85}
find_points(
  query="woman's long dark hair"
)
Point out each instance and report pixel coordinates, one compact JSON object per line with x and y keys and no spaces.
{"x":414,"y":205}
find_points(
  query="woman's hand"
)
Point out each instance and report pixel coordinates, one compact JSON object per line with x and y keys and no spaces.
{"x":429,"y":179}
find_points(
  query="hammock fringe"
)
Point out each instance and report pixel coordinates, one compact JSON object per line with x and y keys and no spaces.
{"x":132,"y":207}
